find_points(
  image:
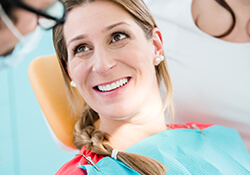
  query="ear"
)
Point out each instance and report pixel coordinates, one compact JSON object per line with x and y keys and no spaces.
{"x":158,"y":44}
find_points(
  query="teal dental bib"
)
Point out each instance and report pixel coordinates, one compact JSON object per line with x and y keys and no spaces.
{"x":186,"y":151}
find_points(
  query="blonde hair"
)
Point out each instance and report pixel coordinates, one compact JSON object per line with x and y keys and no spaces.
{"x":85,"y":133}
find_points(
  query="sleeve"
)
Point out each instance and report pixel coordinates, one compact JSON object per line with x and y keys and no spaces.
{"x":71,"y":168}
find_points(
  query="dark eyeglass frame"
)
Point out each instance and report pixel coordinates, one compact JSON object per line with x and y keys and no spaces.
{"x":41,"y":13}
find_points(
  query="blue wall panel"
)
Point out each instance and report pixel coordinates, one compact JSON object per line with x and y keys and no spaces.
{"x":6,"y":137}
{"x":26,"y":147}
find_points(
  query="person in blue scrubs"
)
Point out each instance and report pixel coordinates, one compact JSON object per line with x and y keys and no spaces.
{"x":20,"y":26}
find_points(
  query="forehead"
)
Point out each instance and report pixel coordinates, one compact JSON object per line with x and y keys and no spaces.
{"x":95,"y":15}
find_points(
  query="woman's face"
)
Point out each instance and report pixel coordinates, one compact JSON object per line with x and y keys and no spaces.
{"x":110,"y":59}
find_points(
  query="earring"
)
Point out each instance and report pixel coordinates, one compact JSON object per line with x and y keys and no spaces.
{"x":159,"y":59}
{"x":73,"y":84}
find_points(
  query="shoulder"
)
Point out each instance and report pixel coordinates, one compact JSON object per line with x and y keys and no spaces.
{"x":211,"y":17}
{"x":73,"y":166}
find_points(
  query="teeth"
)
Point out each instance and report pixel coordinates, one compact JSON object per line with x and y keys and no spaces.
{"x":112,"y":86}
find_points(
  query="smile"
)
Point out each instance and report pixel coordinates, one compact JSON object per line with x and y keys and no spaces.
{"x":112,"y":86}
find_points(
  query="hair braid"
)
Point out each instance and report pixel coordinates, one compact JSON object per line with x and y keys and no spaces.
{"x":85,"y":134}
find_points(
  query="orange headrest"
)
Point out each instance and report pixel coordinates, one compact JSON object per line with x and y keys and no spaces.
{"x":47,"y":82}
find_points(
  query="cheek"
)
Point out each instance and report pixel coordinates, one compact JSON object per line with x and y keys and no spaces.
{"x":78,"y":72}
{"x":138,"y":56}
{"x":26,"y":21}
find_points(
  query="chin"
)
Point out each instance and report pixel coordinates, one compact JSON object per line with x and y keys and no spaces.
{"x":118,"y":115}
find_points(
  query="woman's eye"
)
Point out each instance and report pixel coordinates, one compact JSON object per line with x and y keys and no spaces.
{"x":118,"y":37}
{"x":81,"y":48}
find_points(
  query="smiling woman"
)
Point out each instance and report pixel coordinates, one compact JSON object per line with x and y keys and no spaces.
{"x":101,"y":61}
{"x":111,"y":53}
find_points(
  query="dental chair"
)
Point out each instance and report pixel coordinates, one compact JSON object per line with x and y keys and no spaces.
{"x":48,"y":85}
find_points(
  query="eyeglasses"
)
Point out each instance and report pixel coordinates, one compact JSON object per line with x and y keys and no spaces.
{"x":55,"y":14}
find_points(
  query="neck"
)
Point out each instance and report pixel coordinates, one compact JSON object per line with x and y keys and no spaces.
{"x":238,"y":3}
{"x":246,"y":2}
{"x":125,"y":133}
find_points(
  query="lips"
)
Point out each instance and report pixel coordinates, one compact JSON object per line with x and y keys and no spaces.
{"x":112,"y":86}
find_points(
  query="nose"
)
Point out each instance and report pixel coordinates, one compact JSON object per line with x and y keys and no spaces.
{"x":103,"y":60}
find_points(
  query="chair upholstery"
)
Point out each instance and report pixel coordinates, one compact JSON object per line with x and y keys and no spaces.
{"x":48,"y":85}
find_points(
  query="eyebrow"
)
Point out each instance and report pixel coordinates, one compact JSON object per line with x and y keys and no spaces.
{"x":79,"y":37}
{"x":113,"y":26}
